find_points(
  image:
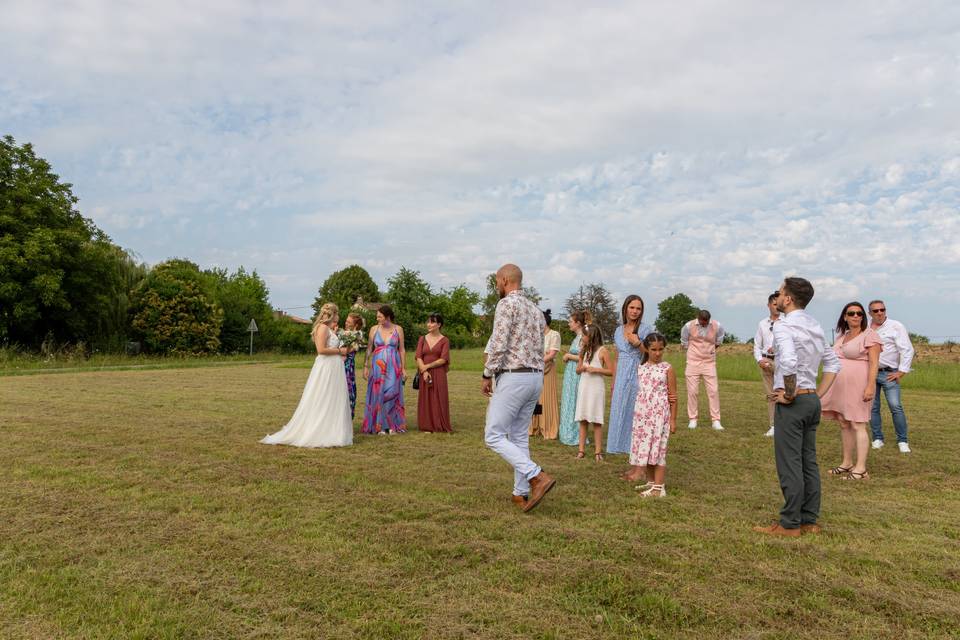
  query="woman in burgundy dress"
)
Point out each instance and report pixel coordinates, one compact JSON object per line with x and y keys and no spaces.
{"x":433,"y":361}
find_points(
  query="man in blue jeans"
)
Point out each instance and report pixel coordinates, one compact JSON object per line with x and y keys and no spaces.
{"x":895,"y":359}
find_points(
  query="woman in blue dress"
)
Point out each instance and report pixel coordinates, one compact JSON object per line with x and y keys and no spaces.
{"x":628,"y":339}
{"x":384,"y":412}
{"x":569,"y":427}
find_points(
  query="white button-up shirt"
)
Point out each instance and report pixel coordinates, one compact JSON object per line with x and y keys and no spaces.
{"x":763,"y":340}
{"x":801,"y":348}
{"x":897,"y":351}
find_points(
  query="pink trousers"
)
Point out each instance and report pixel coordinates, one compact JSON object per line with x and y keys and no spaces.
{"x":707,"y":371}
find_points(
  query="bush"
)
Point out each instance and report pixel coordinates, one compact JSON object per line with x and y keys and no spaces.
{"x":174,"y":311}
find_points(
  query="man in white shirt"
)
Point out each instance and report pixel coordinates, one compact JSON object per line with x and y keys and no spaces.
{"x":895,"y":360}
{"x":800,"y":348}
{"x":763,"y":353}
{"x":700,"y":339}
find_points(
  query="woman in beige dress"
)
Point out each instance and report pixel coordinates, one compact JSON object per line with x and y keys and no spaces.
{"x":547,"y":423}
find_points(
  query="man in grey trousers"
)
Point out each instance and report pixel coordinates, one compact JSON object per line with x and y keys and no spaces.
{"x":514,"y":357}
{"x":800,"y":348}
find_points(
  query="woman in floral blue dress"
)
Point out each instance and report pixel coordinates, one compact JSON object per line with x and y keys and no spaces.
{"x":629,"y":341}
{"x":569,"y":427}
{"x":352,"y":326}
{"x":384,"y":412}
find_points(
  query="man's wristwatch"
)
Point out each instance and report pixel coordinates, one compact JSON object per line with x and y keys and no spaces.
{"x":487,"y":374}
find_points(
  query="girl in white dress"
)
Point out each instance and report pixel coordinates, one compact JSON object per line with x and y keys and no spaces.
{"x":593,"y":364}
{"x":322,"y":419}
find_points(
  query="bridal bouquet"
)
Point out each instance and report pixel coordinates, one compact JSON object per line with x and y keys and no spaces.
{"x":351,"y":339}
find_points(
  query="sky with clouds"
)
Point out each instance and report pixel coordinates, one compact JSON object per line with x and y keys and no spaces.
{"x":703,"y":147}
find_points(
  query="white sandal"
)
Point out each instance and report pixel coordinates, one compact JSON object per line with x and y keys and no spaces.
{"x":644,"y":486}
{"x":655,"y":491}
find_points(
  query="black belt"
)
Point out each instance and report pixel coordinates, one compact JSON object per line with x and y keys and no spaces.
{"x":517,"y":370}
{"x":766,"y":355}
{"x":886,"y":369}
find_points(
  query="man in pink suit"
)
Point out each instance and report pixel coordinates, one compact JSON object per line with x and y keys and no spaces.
{"x":700,"y":338}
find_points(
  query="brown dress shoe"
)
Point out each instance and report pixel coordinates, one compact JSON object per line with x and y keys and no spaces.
{"x":519,"y":501}
{"x":776,"y":530}
{"x":810,"y":528}
{"x":539,"y":486}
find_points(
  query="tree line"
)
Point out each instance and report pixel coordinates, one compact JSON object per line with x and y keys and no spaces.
{"x":63,"y":281}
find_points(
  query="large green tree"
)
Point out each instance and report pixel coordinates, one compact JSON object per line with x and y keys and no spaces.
{"x":460,"y":321}
{"x":174,"y":310}
{"x":411,"y":298}
{"x":60,"y":276}
{"x":243,"y":297}
{"x":673,"y":313}
{"x":343,"y":287}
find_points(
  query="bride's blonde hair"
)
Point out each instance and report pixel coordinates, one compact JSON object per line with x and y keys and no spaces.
{"x":328,"y":312}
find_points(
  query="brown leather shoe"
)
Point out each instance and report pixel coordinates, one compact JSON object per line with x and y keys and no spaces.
{"x":519,"y":501}
{"x":810,"y":528}
{"x":776,"y":530}
{"x":539,"y":486}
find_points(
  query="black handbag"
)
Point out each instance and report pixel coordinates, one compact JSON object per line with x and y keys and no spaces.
{"x":416,"y":380}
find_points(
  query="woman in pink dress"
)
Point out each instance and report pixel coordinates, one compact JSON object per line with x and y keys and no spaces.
{"x":850,"y":399}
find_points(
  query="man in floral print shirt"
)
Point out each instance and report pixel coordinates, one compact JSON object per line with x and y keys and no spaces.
{"x":514,"y":356}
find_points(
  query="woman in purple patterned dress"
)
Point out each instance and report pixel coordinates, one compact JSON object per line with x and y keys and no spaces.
{"x":384,"y":412}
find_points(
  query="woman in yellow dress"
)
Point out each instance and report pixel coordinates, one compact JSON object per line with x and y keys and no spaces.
{"x":547,"y":421}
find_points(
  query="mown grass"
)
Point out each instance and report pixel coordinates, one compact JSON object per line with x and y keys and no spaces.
{"x":138,"y":504}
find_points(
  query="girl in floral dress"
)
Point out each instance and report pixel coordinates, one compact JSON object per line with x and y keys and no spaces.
{"x":654,"y":416}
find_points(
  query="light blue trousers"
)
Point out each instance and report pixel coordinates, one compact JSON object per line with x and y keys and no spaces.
{"x":508,"y":419}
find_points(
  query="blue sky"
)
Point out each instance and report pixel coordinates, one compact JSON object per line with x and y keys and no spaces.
{"x":708,"y":147}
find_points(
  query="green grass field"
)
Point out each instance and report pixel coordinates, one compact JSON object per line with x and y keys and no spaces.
{"x":138,"y":504}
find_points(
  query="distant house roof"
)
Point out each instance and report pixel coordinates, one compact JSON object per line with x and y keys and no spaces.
{"x":366,"y":306}
{"x":281,"y":315}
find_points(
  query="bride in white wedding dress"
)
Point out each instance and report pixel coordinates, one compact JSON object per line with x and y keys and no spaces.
{"x":322,"y":418}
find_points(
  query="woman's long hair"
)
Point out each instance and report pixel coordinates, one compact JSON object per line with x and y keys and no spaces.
{"x":583,"y":318}
{"x":649,"y":340}
{"x":594,"y":340}
{"x":842,"y":322}
{"x":623,"y":312}
{"x":328,"y":312}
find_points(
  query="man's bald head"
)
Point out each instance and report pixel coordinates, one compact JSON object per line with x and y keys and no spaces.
{"x":511,"y":274}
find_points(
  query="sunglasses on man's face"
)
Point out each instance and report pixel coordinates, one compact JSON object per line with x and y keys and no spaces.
{"x":855,"y":313}
{"x":882,"y":310}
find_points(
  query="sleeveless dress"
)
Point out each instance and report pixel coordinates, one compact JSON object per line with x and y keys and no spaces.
{"x":570,"y":427}
{"x":591,"y":393}
{"x":844,"y":399}
{"x":624,"y":395}
{"x":322,"y":419}
{"x":384,"y":411}
{"x":651,"y":416}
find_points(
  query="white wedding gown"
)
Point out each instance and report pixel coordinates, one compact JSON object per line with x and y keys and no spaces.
{"x":322,"y":418}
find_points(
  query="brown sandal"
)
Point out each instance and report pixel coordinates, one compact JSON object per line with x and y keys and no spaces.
{"x":839,"y":471}
{"x":853,"y":475}
{"x":580,"y":455}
